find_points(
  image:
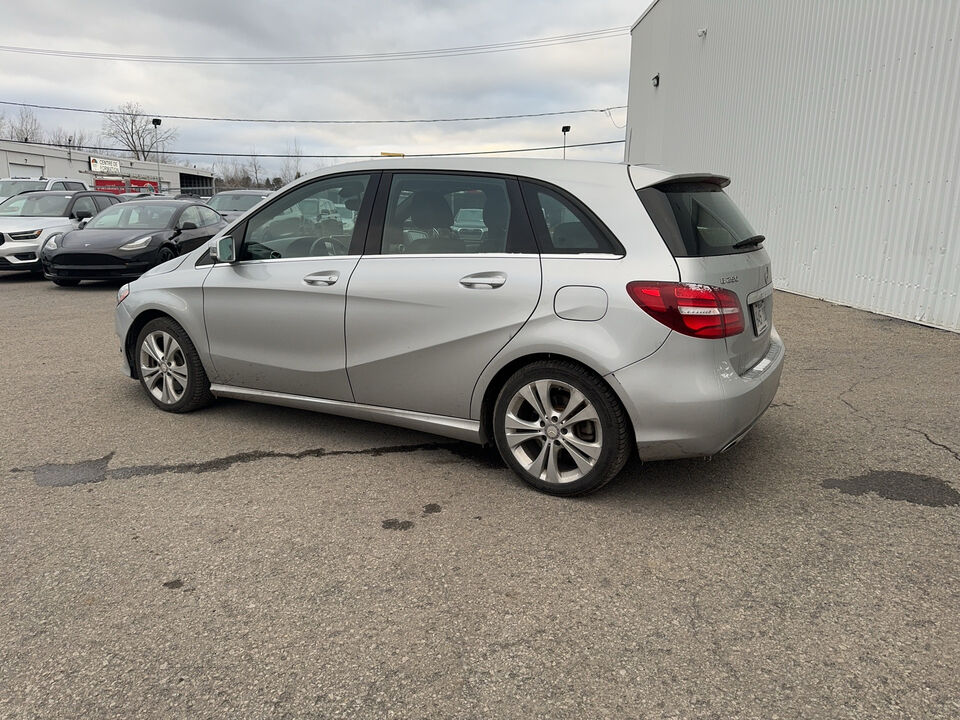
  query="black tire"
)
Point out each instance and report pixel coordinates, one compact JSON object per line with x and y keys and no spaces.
{"x":66,"y":282}
{"x":613,"y":437}
{"x":194,"y":393}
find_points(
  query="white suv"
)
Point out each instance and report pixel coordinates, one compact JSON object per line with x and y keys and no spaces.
{"x":15,"y":185}
{"x":29,"y":219}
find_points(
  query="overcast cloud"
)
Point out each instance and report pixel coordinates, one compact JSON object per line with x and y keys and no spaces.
{"x":582,"y":75}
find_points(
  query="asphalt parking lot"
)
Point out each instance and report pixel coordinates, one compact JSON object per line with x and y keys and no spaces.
{"x":253,"y":561}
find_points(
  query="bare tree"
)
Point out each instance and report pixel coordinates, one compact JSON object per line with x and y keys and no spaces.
{"x":131,"y":128}
{"x":255,"y":167}
{"x":291,"y":168}
{"x":233,"y":175}
{"x":25,"y":126}
{"x":69,"y":139}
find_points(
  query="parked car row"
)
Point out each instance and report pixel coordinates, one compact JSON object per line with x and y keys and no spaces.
{"x":567,"y":313}
{"x":88,"y":235}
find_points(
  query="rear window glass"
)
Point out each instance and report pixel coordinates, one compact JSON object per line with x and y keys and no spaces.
{"x":697,"y":219}
{"x":562,"y":226}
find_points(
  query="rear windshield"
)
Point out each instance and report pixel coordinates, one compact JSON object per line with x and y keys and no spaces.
{"x":12,"y":187}
{"x":697,"y":219}
{"x":227,"y":202}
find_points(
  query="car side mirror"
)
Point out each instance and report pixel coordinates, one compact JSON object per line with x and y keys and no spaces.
{"x":224,"y":249}
{"x":82,"y":214}
{"x":188,"y":226}
{"x":83,"y":223}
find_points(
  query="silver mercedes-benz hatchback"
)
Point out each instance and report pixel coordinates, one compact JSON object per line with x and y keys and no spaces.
{"x":592,"y":311}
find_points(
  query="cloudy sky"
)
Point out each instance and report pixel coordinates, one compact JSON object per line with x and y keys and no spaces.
{"x":563,"y":77}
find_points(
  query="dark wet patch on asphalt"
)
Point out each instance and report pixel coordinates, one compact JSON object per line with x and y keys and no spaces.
{"x":97,"y":470}
{"x":431,"y":508}
{"x":86,"y":471}
{"x":174,"y":584}
{"x":397,"y":524}
{"x":896,"y":485}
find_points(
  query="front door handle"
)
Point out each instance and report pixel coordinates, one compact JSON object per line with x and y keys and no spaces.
{"x":324,"y":277}
{"x":484,"y":280}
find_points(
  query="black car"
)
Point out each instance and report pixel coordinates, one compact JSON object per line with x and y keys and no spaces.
{"x":126,"y":240}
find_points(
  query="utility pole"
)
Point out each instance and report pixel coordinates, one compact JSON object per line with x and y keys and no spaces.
{"x":156,"y":148}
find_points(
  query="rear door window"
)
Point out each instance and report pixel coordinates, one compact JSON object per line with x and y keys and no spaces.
{"x":697,"y":219}
{"x":563,"y":225}
{"x":446,"y":213}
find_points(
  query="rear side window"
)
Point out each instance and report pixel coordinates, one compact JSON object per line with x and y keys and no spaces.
{"x":74,"y":186}
{"x":563,"y":226}
{"x":697,"y":219}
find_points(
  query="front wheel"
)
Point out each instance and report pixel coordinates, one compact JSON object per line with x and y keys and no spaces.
{"x":561,"y":428}
{"x":165,"y":253}
{"x":169,"y":367}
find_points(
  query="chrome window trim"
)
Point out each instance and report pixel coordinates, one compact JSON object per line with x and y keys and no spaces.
{"x":286,"y":260}
{"x":583,"y":256}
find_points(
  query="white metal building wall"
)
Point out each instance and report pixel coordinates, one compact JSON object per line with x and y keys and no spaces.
{"x":839,"y":123}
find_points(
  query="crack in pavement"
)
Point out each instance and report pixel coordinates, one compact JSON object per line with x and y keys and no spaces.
{"x":956,"y":455}
{"x":96,"y":470}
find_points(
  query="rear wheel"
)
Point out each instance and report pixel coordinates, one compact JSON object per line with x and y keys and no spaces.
{"x":169,"y":367}
{"x":561,"y":428}
{"x":66,"y":282}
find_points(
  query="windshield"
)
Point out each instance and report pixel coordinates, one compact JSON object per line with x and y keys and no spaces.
{"x":141,"y":217}
{"x":470,"y":215}
{"x":12,"y":187}
{"x":35,"y":206}
{"x":226,"y":202}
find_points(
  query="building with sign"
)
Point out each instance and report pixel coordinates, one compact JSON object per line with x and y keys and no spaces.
{"x":27,"y":160}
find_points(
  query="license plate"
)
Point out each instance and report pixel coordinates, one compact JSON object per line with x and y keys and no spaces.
{"x":759,"y":312}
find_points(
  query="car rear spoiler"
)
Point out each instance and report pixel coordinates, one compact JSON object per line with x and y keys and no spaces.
{"x":640,"y":183}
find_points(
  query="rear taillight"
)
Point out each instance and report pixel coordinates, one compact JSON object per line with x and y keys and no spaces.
{"x":701,"y":311}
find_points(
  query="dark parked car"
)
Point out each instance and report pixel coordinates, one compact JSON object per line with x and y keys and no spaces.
{"x":233,"y":203}
{"x":128,"y":239}
{"x":30,"y":218}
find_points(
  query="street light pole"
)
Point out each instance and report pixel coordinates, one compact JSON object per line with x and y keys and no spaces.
{"x":156,"y":148}
{"x":565,"y":129}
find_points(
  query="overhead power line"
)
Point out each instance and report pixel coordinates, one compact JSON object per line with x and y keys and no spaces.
{"x":319,"y":122}
{"x":101,"y":148}
{"x":567,"y":39}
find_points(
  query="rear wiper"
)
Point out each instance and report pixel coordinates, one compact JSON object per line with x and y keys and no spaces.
{"x":754,"y":240}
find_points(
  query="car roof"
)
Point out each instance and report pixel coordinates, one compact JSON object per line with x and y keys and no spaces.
{"x":164,"y":201}
{"x":550,"y":170}
{"x":68,"y":193}
{"x":244,"y":192}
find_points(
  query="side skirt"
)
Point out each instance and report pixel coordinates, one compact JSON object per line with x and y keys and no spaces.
{"x":458,"y":428}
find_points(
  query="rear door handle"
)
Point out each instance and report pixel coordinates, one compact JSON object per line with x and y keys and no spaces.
{"x":484,"y":280}
{"x":324,"y":277}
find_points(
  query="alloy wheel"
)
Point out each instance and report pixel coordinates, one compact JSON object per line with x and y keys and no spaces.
{"x":163,"y":367}
{"x":553,"y":431}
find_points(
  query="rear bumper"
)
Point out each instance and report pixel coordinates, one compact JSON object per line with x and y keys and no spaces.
{"x":686,"y":400}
